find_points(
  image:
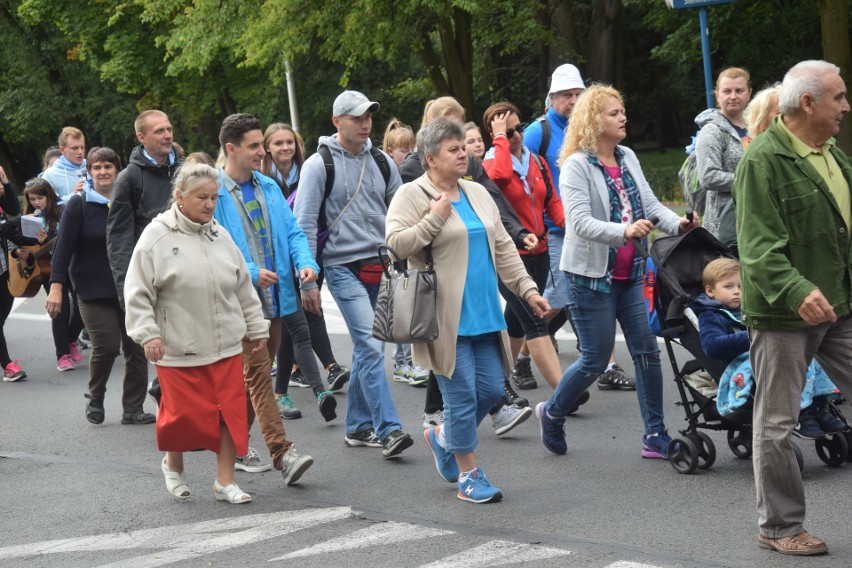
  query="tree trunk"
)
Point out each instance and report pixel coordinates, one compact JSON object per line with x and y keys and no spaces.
{"x":457,"y":48}
{"x":834,"y":17}
{"x":602,"y":41}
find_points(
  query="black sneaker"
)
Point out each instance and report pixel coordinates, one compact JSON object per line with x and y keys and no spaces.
{"x":512,"y":397}
{"x":581,"y":400}
{"x":337,"y":377}
{"x":327,"y":405}
{"x":365,"y":438}
{"x":395,"y":442}
{"x":616,"y":379}
{"x":297,"y":379}
{"x":522,"y":374}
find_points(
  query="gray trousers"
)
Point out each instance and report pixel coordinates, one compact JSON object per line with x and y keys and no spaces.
{"x":779,"y":360}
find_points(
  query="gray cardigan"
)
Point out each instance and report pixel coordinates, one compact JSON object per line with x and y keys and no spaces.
{"x":589,"y":233}
{"x":718,"y":150}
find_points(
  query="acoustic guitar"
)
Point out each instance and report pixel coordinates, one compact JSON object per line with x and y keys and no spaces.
{"x":26,"y":276}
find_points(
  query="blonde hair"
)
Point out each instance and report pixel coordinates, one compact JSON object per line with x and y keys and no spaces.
{"x":201,"y":158}
{"x":756,"y":114}
{"x":442,"y":106}
{"x":397,"y":135}
{"x":140,"y":123}
{"x":298,"y":155}
{"x":718,"y":269}
{"x":586,"y":123}
{"x":733,"y":73}
{"x":69,"y":132}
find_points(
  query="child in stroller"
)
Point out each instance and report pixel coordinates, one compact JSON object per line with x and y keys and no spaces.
{"x":723,"y":337}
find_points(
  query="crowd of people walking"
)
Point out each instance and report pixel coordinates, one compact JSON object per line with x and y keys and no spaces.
{"x":212,"y":271}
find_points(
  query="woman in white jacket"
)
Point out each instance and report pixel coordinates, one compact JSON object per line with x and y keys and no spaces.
{"x":190,"y":302}
{"x":608,"y":206}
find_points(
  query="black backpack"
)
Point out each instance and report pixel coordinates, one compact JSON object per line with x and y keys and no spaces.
{"x":545,"y":134}
{"x":327,"y":160}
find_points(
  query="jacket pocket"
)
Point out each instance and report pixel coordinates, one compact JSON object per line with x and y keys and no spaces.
{"x":804,"y":217}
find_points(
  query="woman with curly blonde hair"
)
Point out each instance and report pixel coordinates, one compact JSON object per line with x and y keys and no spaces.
{"x":608,"y":207}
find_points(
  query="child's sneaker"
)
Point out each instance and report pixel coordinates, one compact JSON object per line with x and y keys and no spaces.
{"x":828,"y":421}
{"x":74,"y":352}
{"x":656,"y":445}
{"x":476,"y":489}
{"x":13,"y":372}
{"x":65,"y":363}
{"x":808,"y":428}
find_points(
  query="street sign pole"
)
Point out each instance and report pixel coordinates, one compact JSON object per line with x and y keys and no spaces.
{"x":705,"y":53}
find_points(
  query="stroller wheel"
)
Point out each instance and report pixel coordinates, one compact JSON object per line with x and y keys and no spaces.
{"x":739,"y":440}
{"x":706,"y":449}
{"x":833,"y":450}
{"x":683,"y":455}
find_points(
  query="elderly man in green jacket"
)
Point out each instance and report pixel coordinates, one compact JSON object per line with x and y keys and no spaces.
{"x":792,"y":194}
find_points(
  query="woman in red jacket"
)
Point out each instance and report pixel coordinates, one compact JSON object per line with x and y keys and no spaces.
{"x":525,"y":180}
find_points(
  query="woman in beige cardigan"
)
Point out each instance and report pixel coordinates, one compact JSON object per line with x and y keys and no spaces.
{"x":470,"y":247}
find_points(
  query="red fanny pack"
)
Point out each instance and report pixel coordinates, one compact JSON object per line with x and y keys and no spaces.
{"x":367,"y":271}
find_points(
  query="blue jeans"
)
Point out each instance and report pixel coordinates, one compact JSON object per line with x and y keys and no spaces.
{"x":594,"y":315}
{"x":474,"y":389}
{"x":556,"y":292}
{"x":369,"y":404}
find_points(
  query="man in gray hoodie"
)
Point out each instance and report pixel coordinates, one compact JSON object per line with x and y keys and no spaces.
{"x":354,"y":213}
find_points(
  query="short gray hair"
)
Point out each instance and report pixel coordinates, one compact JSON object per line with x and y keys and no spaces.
{"x":803,"y":77}
{"x":431,"y":136}
{"x":192,"y":175}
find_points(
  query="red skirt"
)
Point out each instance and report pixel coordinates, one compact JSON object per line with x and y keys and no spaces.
{"x":194,"y":401}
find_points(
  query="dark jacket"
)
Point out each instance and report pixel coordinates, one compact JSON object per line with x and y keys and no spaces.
{"x":9,"y":206}
{"x":723,"y":337}
{"x":791,"y":235}
{"x":412,"y":169}
{"x":140,"y":193}
{"x":81,"y":252}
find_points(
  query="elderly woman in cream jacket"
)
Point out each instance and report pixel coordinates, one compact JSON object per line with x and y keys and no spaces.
{"x":471,"y":249}
{"x":189,"y":303}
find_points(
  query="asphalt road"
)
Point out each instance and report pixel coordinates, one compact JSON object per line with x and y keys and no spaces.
{"x":76,"y":495}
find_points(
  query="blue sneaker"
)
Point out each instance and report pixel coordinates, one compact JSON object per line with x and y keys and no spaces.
{"x":445,"y":462}
{"x":552,"y":431}
{"x":656,"y":445}
{"x":828,"y":422}
{"x":808,"y":428}
{"x":476,"y":489}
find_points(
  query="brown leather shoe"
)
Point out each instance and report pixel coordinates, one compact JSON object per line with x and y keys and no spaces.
{"x":801,"y":544}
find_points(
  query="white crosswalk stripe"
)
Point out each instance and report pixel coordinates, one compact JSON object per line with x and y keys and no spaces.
{"x":498,"y":553}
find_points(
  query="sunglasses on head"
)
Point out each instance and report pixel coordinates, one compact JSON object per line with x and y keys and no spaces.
{"x":510,"y":132}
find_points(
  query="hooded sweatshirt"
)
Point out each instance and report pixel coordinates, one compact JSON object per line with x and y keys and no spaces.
{"x":360,"y":230}
{"x":723,"y":337}
{"x":189,"y":285}
{"x":63,"y":176}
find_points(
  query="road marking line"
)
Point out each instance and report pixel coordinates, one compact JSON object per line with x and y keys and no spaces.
{"x":498,"y":553}
{"x":626,"y":564}
{"x":375,"y":535}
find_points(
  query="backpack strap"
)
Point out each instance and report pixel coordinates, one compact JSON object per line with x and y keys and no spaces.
{"x":545,"y":134}
{"x":382,"y":162}
{"x":327,"y":160}
{"x":544,"y":173}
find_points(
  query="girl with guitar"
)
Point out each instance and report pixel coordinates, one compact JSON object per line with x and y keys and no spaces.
{"x":40,"y":200}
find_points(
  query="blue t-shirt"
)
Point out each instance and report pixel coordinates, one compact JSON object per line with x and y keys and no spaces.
{"x":480,"y":312}
{"x":256,"y":215}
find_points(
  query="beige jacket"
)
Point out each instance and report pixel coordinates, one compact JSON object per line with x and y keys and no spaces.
{"x":410,"y":226}
{"x":189,"y":285}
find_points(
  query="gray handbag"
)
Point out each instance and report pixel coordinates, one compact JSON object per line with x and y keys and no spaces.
{"x":406,"y":309}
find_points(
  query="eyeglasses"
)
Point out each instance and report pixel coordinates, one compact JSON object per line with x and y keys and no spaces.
{"x":510,"y":132}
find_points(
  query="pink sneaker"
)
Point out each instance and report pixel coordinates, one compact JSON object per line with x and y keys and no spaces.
{"x":65,"y":363}
{"x":74,"y":352}
{"x":13,"y":372}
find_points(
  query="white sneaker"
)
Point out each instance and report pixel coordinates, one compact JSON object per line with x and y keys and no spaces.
{"x":402,"y":373}
{"x":251,"y":462}
{"x":508,"y":417}
{"x":417,"y":376}
{"x":433,"y":419}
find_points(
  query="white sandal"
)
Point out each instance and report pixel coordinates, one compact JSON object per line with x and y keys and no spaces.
{"x":231,"y":493}
{"x":175,"y":482}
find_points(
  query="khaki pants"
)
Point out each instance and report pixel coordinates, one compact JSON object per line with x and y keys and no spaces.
{"x":261,"y":399}
{"x":779,"y":360}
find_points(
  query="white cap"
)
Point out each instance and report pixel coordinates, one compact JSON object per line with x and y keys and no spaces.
{"x":566,"y":77}
{"x":353,"y":103}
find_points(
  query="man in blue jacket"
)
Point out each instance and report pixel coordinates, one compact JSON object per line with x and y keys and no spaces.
{"x":251,"y":207}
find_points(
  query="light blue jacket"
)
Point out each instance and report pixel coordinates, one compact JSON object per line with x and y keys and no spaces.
{"x":588,"y":231}
{"x":289,"y":245}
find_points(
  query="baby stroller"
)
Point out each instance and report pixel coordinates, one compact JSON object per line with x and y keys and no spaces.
{"x":679,"y":261}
